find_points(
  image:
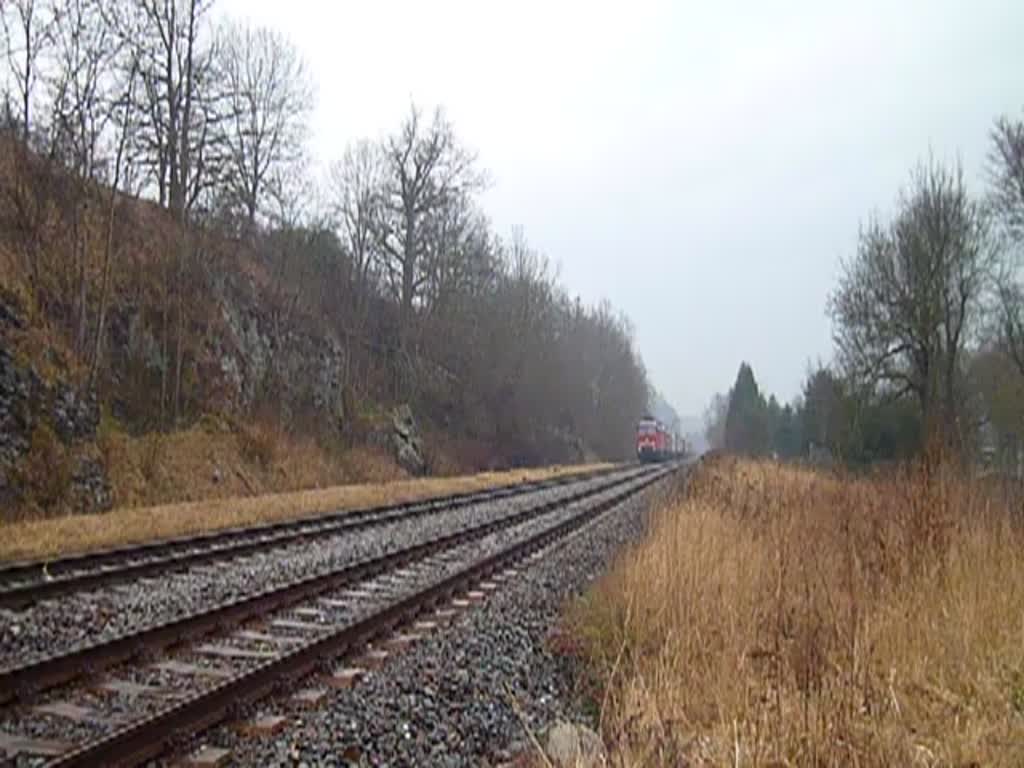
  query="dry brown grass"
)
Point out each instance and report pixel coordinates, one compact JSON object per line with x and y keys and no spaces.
{"x":217,"y":459}
{"x":46,"y":538}
{"x":779,"y":617}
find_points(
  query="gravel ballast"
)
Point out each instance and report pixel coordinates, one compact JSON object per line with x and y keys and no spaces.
{"x":59,"y":625}
{"x":461,"y":695}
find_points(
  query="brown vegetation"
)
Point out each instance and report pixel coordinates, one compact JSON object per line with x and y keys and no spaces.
{"x":219,"y":459}
{"x":779,"y":616}
{"x":125,"y":525}
{"x":270,"y":342}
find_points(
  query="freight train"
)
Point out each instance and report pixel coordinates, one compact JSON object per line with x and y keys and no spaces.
{"x":654,"y":442}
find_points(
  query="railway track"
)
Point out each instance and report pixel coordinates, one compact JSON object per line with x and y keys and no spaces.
{"x":182,"y":676}
{"x":25,"y":583}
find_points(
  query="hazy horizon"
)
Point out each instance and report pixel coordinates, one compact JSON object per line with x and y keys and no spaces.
{"x":702,"y":167}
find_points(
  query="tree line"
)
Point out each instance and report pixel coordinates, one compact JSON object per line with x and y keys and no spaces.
{"x":927,"y":324}
{"x":829,"y":420}
{"x":125,"y":100}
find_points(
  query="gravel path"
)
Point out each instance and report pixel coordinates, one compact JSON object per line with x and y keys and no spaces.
{"x":448,"y":700}
{"x":59,"y":625}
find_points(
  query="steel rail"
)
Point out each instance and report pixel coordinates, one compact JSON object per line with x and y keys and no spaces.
{"x":145,"y":560}
{"x":18,"y":683}
{"x":145,"y":739}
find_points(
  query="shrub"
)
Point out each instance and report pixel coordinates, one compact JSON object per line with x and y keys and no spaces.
{"x":258,"y":443}
{"x":43,"y":475}
{"x":151,"y":456}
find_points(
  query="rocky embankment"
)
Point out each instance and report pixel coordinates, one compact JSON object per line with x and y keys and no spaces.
{"x":47,"y":439}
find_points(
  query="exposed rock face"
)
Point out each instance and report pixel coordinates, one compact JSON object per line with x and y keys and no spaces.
{"x":75,"y":415}
{"x":574,"y":746}
{"x":559,"y":445}
{"x":406,"y":441}
{"x":18,"y":388}
{"x":90,"y":486}
{"x":28,"y":403}
{"x":257,"y":359}
{"x":247,"y":356}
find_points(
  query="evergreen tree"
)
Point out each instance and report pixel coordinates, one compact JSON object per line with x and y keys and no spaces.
{"x":787,"y":435}
{"x":746,"y":422}
{"x":826,"y":413}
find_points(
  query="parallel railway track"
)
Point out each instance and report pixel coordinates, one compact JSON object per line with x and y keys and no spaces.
{"x":392,"y":589}
{"x":25,"y":583}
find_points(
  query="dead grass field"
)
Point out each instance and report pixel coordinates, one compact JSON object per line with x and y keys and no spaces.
{"x":80,"y":533}
{"x":779,"y":617}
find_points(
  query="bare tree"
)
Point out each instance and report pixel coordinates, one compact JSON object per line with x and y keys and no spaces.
{"x":27,"y":25}
{"x":295,"y":217}
{"x":714,"y":420}
{"x":356,"y":188}
{"x":123,"y":115}
{"x":1007,"y":199}
{"x":180,"y":112}
{"x":426,"y":168}
{"x":456,"y":240}
{"x":80,"y":79}
{"x":908,"y":301}
{"x":80,"y":83}
{"x":528,"y":326}
{"x":269,"y":101}
{"x":1006,"y":166}
{"x":177,"y":97}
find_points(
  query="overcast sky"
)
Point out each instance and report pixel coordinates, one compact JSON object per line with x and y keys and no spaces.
{"x":702,"y":165}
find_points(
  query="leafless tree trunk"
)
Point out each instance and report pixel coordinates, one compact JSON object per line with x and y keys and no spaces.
{"x":356,"y":188}
{"x":124,"y":133}
{"x":1006,"y":166}
{"x":167,"y":38}
{"x":79,"y":83}
{"x":164,"y":349}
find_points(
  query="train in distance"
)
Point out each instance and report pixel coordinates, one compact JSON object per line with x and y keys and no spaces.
{"x":655,"y":442}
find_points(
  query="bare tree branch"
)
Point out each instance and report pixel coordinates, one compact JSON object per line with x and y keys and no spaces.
{"x":916,"y":290}
{"x":269,"y":99}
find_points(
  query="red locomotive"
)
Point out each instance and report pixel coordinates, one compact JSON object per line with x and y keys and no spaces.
{"x":653,"y":441}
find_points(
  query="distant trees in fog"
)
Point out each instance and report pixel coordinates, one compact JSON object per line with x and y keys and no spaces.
{"x":829,"y":417}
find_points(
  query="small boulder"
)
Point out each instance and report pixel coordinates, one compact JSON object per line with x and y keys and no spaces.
{"x":409,"y":460}
{"x":574,"y":746}
{"x":406,"y":441}
{"x":403,"y":422}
